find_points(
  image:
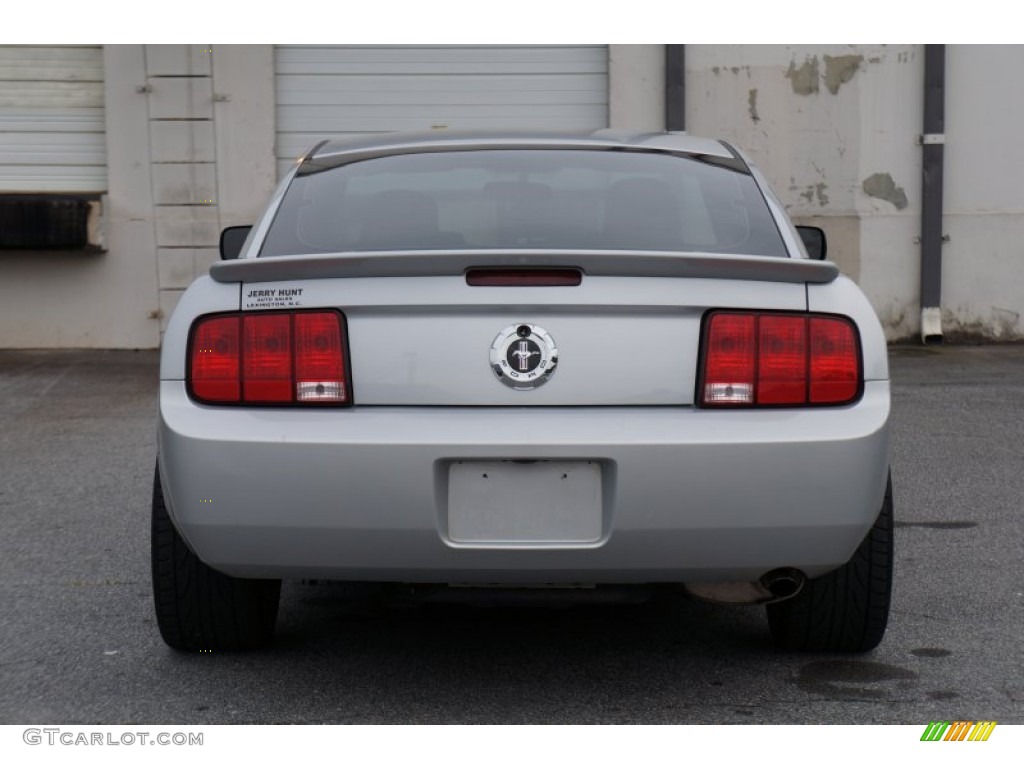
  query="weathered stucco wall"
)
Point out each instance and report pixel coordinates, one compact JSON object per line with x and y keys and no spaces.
{"x":835,"y":129}
{"x":983,"y":262}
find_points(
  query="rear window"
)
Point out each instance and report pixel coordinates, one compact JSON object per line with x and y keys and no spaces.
{"x":548,"y":199}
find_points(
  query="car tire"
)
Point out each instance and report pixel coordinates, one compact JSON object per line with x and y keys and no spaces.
{"x":199,"y":609}
{"x":846,"y":610}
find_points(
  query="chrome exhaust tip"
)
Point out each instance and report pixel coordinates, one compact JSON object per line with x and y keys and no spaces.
{"x":783,"y":583}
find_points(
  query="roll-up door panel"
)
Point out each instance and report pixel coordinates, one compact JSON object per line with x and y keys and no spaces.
{"x":332,"y":91}
{"x":52,"y":119}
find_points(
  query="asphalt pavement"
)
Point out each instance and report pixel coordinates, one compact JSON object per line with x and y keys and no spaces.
{"x":78,"y":643}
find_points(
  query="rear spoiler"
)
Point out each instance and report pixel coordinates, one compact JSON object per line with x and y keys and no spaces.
{"x":440,"y":263}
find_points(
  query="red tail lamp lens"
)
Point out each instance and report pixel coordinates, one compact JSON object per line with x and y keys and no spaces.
{"x":319,"y":364}
{"x":269,"y":358}
{"x":774,"y":359}
{"x":215,"y":359}
{"x":782,"y":362}
{"x":732,"y":354}
{"x":835,"y":361}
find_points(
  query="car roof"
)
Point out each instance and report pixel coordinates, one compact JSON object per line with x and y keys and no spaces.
{"x":338,"y":152}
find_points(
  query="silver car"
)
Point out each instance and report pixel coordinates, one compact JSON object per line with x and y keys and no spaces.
{"x":521,"y":361}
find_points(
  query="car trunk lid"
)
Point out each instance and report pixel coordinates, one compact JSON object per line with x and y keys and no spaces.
{"x":420,"y":335}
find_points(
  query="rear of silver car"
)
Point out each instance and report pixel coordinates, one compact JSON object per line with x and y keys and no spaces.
{"x":492,"y":423}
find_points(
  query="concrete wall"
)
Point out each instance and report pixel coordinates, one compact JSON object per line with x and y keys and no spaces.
{"x":190,"y":135}
{"x":983,"y":263}
{"x":108,"y":300}
{"x":835,"y":129}
{"x":212,"y":152}
{"x":636,"y":87}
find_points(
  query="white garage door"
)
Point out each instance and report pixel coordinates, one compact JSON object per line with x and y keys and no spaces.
{"x":331,"y":91}
{"x":51,"y":119}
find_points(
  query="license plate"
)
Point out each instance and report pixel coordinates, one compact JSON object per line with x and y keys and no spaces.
{"x":536,"y":502}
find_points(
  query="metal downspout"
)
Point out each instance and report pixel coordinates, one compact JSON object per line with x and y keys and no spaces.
{"x":931,"y":192}
{"x":675,"y":88}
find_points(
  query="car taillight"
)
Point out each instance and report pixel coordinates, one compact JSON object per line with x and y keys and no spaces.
{"x":753,"y":359}
{"x":268,"y":358}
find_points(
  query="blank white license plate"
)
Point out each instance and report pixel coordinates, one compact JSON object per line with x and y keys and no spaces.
{"x":508,"y":502}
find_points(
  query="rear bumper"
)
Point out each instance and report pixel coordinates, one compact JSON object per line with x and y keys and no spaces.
{"x":362,"y":494}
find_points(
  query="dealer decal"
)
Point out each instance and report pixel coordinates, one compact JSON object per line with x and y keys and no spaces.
{"x":271,"y":298}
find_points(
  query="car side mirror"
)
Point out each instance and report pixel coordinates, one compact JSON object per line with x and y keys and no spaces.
{"x":814,"y":241}
{"x":231,"y":241}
